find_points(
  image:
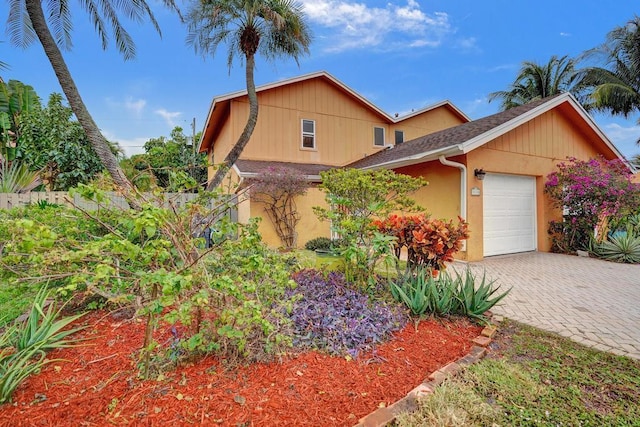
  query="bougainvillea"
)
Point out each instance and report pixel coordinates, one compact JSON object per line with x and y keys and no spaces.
{"x":429,"y":242}
{"x":589,"y":193}
{"x":333,"y":317}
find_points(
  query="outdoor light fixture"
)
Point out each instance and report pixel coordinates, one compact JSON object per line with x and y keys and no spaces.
{"x":479,"y":174}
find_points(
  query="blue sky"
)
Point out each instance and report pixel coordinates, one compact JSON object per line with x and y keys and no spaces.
{"x":400,"y":54}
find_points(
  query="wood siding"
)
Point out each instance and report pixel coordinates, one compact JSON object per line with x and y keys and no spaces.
{"x":344,"y":125}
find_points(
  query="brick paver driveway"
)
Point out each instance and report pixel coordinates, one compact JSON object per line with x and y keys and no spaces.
{"x":593,"y":302}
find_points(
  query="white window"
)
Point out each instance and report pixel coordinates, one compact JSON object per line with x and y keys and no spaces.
{"x":378,"y":137}
{"x":399,"y":137}
{"x":308,"y":134}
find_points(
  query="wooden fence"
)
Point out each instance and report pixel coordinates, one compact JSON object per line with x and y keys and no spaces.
{"x":12,"y":200}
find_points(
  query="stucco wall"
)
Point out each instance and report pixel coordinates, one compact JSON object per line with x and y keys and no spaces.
{"x":308,"y":228}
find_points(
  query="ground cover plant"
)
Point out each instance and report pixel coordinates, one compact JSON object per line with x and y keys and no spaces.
{"x":332,"y":316}
{"x":535,"y":378}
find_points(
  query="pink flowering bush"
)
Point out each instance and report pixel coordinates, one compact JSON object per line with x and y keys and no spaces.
{"x":589,"y":193}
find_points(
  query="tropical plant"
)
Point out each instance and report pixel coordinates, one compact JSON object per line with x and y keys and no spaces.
{"x":277,"y":188}
{"x":331,"y":316}
{"x":537,"y":81}
{"x":272,"y":28}
{"x":589,"y":193}
{"x":17,"y":100}
{"x":476,"y":299}
{"x":355,"y":198}
{"x":447,"y":295}
{"x":24,"y":345}
{"x":414,"y":290}
{"x":168,"y":157}
{"x":616,"y":86}
{"x":16,"y":177}
{"x":27,"y":22}
{"x":429,"y":242}
{"x":53,"y":142}
{"x":620,"y":247}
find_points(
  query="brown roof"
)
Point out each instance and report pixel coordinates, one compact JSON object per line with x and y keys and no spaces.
{"x":446,"y":138}
{"x":251,"y":167}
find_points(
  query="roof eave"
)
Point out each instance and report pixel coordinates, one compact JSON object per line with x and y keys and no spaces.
{"x":453,"y":150}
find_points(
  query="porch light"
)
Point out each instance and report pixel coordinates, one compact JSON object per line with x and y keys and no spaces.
{"x":479,"y":174}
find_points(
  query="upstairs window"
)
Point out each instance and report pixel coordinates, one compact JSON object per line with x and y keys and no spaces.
{"x":308,"y":134}
{"x":378,"y":137}
{"x":399,"y":137}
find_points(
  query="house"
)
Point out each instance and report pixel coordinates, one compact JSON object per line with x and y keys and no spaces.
{"x":490,"y":171}
{"x":312,"y":123}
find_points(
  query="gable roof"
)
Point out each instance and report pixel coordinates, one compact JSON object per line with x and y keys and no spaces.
{"x":466,"y":137}
{"x":218,"y":104}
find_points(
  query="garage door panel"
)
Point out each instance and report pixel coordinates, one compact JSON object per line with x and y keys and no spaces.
{"x":509,"y":214}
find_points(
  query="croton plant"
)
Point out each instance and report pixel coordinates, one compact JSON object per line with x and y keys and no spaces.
{"x":429,"y":242}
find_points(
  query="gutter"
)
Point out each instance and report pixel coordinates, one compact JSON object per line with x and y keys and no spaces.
{"x":463,"y":189}
{"x":463,"y":183}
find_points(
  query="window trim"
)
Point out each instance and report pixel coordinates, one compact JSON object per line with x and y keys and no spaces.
{"x":307,"y":134}
{"x":383,"y":136}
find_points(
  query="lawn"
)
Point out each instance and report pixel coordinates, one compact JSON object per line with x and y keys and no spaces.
{"x":536,"y":378}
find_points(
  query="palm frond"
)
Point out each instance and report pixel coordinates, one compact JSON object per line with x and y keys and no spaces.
{"x":19,"y":26}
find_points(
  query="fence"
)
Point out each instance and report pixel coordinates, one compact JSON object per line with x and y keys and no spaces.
{"x":12,"y":200}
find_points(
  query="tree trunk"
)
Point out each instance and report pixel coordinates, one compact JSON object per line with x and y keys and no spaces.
{"x":98,"y":141}
{"x":246,"y":133}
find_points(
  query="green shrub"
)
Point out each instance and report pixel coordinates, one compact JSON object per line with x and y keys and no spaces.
{"x":319,"y":243}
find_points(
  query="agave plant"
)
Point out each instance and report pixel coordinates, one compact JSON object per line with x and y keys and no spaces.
{"x":621,"y":247}
{"x":414,"y":291}
{"x":448,"y":295}
{"x":16,"y":177}
{"x":24,"y":345}
{"x":476,"y":299}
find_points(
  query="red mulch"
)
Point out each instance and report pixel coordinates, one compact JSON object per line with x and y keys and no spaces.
{"x":97,"y":384}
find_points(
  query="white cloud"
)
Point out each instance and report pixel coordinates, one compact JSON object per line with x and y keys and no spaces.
{"x":130,"y":146}
{"x":168,"y":116}
{"x":135,"y":106}
{"x":357,"y":25}
{"x":563,"y":34}
{"x":623,"y":137}
{"x":468,"y":44}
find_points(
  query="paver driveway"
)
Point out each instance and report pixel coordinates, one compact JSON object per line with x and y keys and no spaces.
{"x":591,"y":301}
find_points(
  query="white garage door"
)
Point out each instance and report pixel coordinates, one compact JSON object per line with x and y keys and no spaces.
{"x":509,"y":214}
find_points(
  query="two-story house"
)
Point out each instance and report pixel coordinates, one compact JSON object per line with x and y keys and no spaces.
{"x":490,"y":171}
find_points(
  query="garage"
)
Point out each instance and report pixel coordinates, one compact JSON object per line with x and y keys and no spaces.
{"x":509,"y":212}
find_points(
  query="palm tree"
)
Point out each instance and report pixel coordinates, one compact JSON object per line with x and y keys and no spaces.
{"x":616,"y":88}
{"x":537,"y":81}
{"x":27,"y":21}
{"x":273,"y":28}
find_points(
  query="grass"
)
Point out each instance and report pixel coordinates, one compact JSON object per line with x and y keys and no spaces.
{"x":535,"y":378}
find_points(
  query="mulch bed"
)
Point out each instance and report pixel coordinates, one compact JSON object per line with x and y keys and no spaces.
{"x":97,"y":384}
